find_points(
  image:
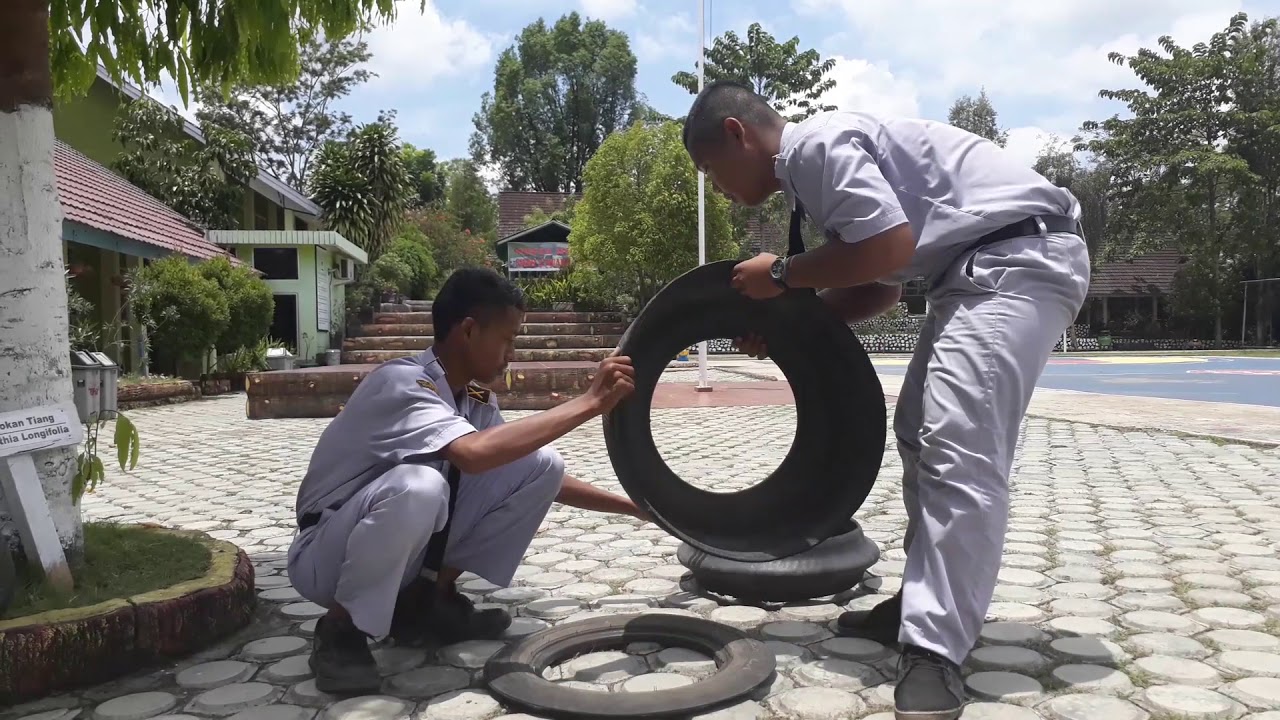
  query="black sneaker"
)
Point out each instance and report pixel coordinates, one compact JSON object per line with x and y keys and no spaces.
{"x":881,"y":623}
{"x":929,"y":687}
{"x":421,"y":614}
{"x":342,"y":661}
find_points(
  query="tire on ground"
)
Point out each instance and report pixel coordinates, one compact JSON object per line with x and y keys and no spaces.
{"x":840,"y":420}
{"x":833,"y":566}
{"x":514,"y":674}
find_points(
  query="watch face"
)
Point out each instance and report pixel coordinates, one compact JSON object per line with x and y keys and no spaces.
{"x":776,"y":269}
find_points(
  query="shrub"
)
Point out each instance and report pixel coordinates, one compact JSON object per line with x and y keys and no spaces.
{"x":249,"y":302}
{"x":185,"y":311}
{"x":390,"y":273}
{"x":411,"y":247}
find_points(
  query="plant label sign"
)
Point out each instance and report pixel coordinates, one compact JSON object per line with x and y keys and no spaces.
{"x":23,"y":432}
{"x":42,"y":428}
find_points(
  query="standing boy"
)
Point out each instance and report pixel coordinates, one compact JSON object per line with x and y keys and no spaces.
{"x":419,"y":472}
{"x":1008,"y":272}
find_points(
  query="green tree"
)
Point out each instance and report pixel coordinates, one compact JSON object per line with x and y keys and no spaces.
{"x":468,"y":201}
{"x":978,"y":116}
{"x":1061,"y":167}
{"x":1175,"y":173}
{"x":205,"y":182}
{"x":451,"y":247}
{"x":564,"y":214}
{"x":42,"y":44}
{"x":793,"y":81}
{"x":637,"y":222}
{"x":362,"y":186}
{"x":186,"y":310}
{"x":558,"y":92}
{"x":425,"y":173}
{"x":250,"y":304}
{"x":290,"y":121}
{"x":412,"y":247}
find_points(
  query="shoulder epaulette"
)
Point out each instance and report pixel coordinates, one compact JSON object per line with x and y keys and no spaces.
{"x":428,"y":385}
{"x":477,"y":393}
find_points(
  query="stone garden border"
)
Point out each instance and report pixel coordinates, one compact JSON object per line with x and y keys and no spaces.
{"x":61,"y":650}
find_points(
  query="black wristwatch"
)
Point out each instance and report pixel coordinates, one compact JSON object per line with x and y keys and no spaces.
{"x":779,"y":272}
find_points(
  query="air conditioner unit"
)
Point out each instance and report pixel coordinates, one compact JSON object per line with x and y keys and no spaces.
{"x":344,"y":270}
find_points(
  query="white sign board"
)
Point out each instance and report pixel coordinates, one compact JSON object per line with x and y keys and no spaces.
{"x":324,"y":279}
{"x":42,"y":428}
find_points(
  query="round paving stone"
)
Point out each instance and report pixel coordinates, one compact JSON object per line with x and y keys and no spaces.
{"x":72,"y":713}
{"x":518,"y":595}
{"x":1092,"y":678}
{"x":472,"y":654}
{"x":275,"y":712}
{"x":856,"y":649}
{"x":1247,"y":663}
{"x":811,"y":612}
{"x":612,"y":576}
{"x":787,"y":655}
{"x":605,"y":667}
{"x":1091,"y":706}
{"x":1013,"y":612}
{"x":1184,"y":701}
{"x":548,"y":580}
{"x":1082,"y":627}
{"x":1218,"y":598}
{"x":522,"y":627}
{"x":1210,"y":580}
{"x":288,"y":671}
{"x":1081,"y":590}
{"x":552,"y":608}
{"x":273,"y":648}
{"x":1082,"y":608}
{"x":745,"y":710}
{"x":1158,"y":621}
{"x":1241,"y":640}
{"x":280,"y":595}
{"x":367,"y":707}
{"x":428,"y":682}
{"x":836,"y":673}
{"x":1007,"y":686}
{"x":270,"y":582}
{"x":655,"y":681}
{"x":1166,"y":644}
{"x":1182,"y":671}
{"x":461,"y":705}
{"x":791,"y":631}
{"x":817,"y":703}
{"x":1023,"y":578}
{"x":231,"y":699}
{"x":1229,"y":617}
{"x":1259,"y":692}
{"x":306,"y":693}
{"x":651,"y":587}
{"x":584,"y":591}
{"x":302,"y":611}
{"x":684,"y":662}
{"x":1010,"y":633}
{"x":213,"y":674}
{"x":1143,"y":584}
{"x":989,"y":711}
{"x":308,"y":628}
{"x":1008,"y":657}
{"x":739,"y":616}
{"x":1076,"y":573}
{"x":1092,"y":650}
{"x":136,"y":706}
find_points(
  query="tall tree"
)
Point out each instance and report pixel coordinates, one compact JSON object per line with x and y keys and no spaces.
{"x":290,"y":121}
{"x":978,"y":116}
{"x":468,"y":201}
{"x":426,"y":174}
{"x":1060,"y":166}
{"x":637,"y":222}
{"x":1175,"y":175}
{"x":362,"y":186}
{"x":195,"y":41}
{"x":558,"y":92}
{"x":203,"y":181}
{"x":791,"y":80}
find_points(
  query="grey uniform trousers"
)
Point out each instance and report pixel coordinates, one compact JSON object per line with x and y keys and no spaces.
{"x":993,"y":320}
{"x":361,"y":555}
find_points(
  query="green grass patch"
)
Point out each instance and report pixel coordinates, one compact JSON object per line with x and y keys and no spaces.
{"x":120,"y":561}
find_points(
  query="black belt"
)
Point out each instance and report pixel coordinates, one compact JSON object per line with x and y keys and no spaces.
{"x":436,"y":545}
{"x":1028,"y":227}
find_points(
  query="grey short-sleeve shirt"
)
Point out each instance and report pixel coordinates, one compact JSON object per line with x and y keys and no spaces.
{"x":858,"y":174}
{"x":402,"y":412}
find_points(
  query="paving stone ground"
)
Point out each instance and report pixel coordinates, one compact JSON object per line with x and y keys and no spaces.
{"x":1141,"y":580}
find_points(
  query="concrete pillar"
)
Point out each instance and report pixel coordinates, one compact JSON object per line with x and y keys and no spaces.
{"x":109,"y":302}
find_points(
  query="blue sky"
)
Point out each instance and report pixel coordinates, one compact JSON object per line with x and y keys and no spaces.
{"x":1041,"y":62}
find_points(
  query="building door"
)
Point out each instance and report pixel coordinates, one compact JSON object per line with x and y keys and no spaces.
{"x":284,"y":323}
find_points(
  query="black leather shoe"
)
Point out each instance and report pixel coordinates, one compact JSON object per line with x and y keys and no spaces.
{"x":881,"y":623}
{"x":929,"y":687}
{"x":342,"y":661}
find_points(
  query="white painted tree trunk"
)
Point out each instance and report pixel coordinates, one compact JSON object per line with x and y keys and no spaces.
{"x":35,"y":363}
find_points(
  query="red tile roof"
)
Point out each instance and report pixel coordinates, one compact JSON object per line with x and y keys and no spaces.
{"x":514,"y":206}
{"x":1141,"y":275}
{"x":94,"y":196}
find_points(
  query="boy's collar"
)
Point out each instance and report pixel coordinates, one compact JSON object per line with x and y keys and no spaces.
{"x":780,"y":160}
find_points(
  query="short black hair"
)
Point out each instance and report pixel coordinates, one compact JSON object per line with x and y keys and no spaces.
{"x":472,"y":292}
{"x":704,"y":125}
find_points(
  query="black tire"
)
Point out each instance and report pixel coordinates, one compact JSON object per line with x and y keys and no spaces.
{"x":8,"y":577}
{"x":514,"y":674}
{"x":840,"y":420}
{"x":830,"y":567}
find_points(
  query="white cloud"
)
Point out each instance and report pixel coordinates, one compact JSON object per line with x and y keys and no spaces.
{"x":422,"y":47}
{"x":673,"y":36}
{"x":1025,"y":143}
{"x":867,"y":87}
{"x":608,"y":10}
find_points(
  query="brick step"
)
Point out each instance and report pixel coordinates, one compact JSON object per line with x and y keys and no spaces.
{"x":417,"y":317}
{"x":365,"y":357}
{"x":406,"y":306}
{"x":321,"y":392}
{"x":523,"y":342}
{"x":526,"y":329}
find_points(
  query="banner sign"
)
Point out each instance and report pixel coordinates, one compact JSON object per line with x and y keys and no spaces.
{"x":545,"y":256}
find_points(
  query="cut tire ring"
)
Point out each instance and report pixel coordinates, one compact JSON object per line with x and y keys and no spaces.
{"x":514,"y":674}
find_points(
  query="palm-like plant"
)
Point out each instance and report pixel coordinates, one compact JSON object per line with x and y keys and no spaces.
{"x":362,"y":186}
